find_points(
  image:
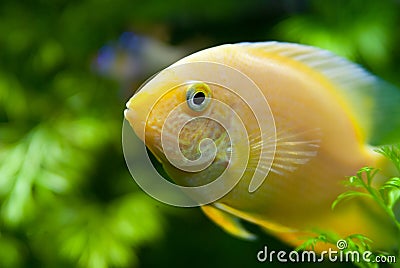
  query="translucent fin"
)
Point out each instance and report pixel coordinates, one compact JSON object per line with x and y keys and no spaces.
{"x":374,"y":103}
{"x":227,"y":222}
{"x":292,"y":150}
{"x":273,"y":227}
{"x":386,"y":125}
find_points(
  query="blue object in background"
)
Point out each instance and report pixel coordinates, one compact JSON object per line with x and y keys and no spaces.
{"x":133,"y":57}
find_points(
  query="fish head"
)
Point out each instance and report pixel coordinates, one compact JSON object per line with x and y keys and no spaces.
{"x":188,"y":126}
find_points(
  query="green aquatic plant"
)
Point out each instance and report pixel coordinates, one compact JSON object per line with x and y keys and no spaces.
{"x":350,"y":244}
{"x":387,"y":196}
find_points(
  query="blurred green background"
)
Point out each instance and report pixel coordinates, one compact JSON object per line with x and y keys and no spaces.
{"x":67,"y":69}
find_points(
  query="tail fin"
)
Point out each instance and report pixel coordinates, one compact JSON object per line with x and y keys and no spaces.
{"x":385,"y":115}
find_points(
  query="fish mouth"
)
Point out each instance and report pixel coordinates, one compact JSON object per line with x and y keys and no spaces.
{"x":130,"y":115}
{"x":136,"y":123}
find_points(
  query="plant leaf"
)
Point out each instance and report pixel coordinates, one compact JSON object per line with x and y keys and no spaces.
{"x":347,"y":195}
{"x":390,"y":192}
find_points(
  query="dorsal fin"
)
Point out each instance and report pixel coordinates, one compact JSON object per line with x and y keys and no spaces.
{"x":374,"y":103}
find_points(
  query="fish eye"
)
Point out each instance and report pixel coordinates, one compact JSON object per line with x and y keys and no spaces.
{"x":198,"y":96}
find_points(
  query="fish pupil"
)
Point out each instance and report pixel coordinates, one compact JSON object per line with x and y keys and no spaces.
{"x":199,"y":98}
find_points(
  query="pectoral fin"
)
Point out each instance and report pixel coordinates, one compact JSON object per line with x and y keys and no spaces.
{"x":227,"y":222}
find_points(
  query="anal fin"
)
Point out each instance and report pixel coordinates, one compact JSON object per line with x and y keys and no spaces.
{"x":227,"y":222}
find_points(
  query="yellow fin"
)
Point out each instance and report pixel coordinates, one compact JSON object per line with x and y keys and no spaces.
{"x":269,"y":225}
{"x":227,"y":222}
{"x":289,"y":235}
{"x":373,"y":103}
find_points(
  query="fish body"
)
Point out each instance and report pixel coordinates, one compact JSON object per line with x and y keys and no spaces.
{"x":324,"y":117}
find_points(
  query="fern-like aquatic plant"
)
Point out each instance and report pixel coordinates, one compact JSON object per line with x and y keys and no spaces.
{"x":386,"y":196}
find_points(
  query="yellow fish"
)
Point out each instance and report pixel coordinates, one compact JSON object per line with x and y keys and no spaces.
{"x":314,"y":121}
